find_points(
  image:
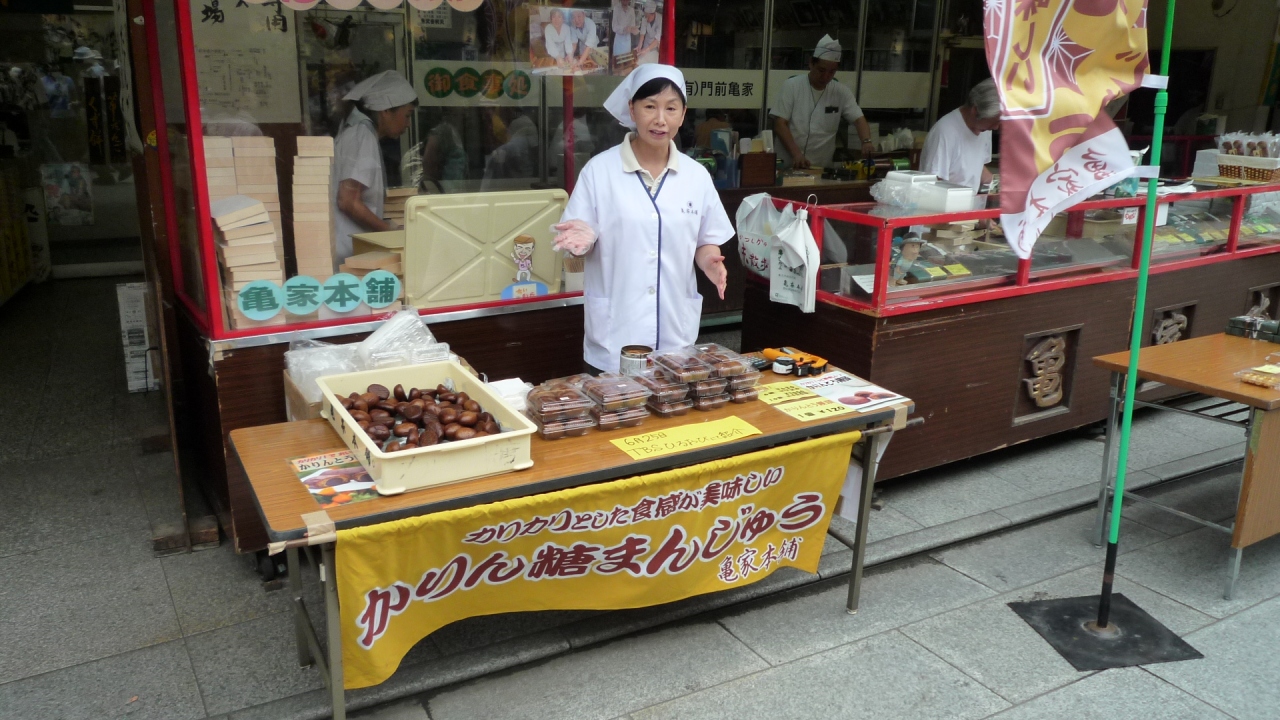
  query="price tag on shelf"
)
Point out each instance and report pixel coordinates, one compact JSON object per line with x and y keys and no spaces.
{"x":956,"y":269}
{"x":935,"y":272}
{"x":685,"y":438}
{"x":814,"y":409}
{"x":866,"y":282}
{"x":780,"y":392}
{"x":1129,"y":216}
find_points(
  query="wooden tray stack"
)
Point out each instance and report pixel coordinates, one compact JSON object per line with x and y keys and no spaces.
{"x":255,"y":164}
{"x":393,"y":207}
{"x":219,"y":168}
{"x":365,"y":263}
{"x":248,"y":250}
{"x":313,"y":203}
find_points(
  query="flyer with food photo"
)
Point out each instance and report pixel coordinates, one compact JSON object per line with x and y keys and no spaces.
{"x":335,"y":478}
{"x":849,"y":390}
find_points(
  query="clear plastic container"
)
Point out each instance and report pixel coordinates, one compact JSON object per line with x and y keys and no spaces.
{"x":665,"y":389}
{"x":711,"y":402}
{"x":670,"y":409}
{"x":1266,"y":375}
{"x":557,"y":429}
{"x":711,"y":386}
{"x":683,"y":365}
{"x":630,"y":417}
{"x":746,"y":380}
{"x":573,"y":381}
{"x":551,"y":404}
{"x":617,"y":392}
{"x":723,"y":361}
{"x":744,"y":395}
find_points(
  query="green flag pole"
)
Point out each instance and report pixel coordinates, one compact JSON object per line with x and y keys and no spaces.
{"x":1135,"y":339}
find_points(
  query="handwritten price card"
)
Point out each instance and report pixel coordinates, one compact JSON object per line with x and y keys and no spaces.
{"x":815,"y":409}
{"x":684,"y":438}
{"x":781,"y":392}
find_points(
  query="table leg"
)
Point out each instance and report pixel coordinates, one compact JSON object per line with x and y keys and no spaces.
{"x":333,"y":632}
{"x":300,"y":618}
{"x":870,"y":448}
{"x":1233,"y":572}
{"x":1108,"y":459}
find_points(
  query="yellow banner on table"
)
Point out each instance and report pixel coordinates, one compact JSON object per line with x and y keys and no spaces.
{"x":629,"y":543}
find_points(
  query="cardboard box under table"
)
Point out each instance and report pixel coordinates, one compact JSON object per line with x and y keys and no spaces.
{"x":293,"y":519}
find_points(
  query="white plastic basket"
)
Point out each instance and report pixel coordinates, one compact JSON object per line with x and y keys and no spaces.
{"x":447,"y":462}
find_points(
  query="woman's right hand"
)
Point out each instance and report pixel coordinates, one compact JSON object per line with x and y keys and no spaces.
{"x":575,"y":237}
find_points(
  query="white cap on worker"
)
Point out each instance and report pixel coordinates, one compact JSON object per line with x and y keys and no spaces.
{"x":650,"y":7}
{"x":828,"y":49}
{"x":619,"y":102}
{"x":383,"y":91}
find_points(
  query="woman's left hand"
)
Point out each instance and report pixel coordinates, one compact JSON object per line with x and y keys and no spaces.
{"x":711,"y":262}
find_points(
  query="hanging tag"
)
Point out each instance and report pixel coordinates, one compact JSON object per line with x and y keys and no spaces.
{"x":1146,"y":171}
{"x":1156,"y":82}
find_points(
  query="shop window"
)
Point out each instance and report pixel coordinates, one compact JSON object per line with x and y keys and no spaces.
{"x":720,"y":50}
{"x":1082,"y":241}
{"x":1192,"y":228}
{"x":896,"y":83}
{"x":1261,"y":222}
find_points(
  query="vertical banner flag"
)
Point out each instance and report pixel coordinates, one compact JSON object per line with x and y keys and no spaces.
{"x":1057,"y":63}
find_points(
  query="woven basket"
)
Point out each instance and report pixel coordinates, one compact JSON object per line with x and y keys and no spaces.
{"x":1257,"y":169}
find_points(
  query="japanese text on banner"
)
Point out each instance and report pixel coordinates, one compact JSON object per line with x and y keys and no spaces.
{"x":629,"y":543}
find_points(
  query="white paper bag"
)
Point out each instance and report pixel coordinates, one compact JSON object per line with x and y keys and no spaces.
{"x":793,"y":272}
{"x":757,"y":218}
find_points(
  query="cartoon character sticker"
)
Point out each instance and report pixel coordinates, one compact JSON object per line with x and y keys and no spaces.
{"x":522,"y":253}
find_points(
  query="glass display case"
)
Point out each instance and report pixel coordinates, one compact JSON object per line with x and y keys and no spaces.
{"x":891,"y":260}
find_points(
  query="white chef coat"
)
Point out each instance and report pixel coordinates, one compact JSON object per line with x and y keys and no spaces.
{"x":624,"y":22}
{"x":649,"y":31}
{"x":356,"y":156}
{"x":559,"y":42}
{"x":954,"y":153}
{"x":814,"y":117}
{"x":639,"y":286}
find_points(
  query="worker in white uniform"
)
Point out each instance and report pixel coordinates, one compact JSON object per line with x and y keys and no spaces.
{"x":644,"y":216}
{"x":624,"y":26}
{"x":808,"y":113}
{"x":959,"y":145}
{"x":583,"y":34}
{"x":558,"y":37}
{"x":383,"y":106}
{"x":650,"y":34}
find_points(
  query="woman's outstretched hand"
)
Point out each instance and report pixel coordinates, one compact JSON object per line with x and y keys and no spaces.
{"x":711,"y":262}
{"x":575,"y":237}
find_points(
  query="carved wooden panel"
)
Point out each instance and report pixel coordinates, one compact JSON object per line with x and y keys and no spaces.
{"x":1048,"y":365}
{"x":1264,"y":300}
{"x":1171,"y":323}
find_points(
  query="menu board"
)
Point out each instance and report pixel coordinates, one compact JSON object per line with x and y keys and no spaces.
{"x":246,"y":62}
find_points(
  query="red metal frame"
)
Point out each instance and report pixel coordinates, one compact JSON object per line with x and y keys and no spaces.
{"x":210,"y":319}
{"x":1024,"y":281}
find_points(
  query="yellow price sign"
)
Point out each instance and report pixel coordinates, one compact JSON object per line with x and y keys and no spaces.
{"x":935,"y":272}
{"x":779,"y":392}
{"x":957,"y":269}
{"x":814,"y":409}
{"x":1269,"y":369}
{"x":685,"y":438}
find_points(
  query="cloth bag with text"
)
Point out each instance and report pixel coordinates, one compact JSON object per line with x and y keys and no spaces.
{"x":794,"y":260}
{"x":757,"y":218}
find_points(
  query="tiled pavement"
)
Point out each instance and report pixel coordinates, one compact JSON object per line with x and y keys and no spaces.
{"x":93,"y":626}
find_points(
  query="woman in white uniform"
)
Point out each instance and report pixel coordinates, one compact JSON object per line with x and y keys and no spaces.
{"x":644,"y":216}
{"x":383,"y":106}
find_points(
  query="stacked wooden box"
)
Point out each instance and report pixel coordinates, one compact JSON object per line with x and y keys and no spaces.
{"x":248,"y":250}
{"x":365,"y":263}
{"x":956,"y":236}
{"x":313,"y":202}
{"x":393,"y":207}
{"x":219,"y":168}
{"x":255,"y":158}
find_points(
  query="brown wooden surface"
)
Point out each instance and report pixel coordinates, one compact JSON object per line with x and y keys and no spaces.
{"x":1204,"y":365}
{"x":263,"y":452}
{"x":1258,"y":516}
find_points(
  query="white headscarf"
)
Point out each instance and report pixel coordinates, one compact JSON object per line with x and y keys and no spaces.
{"x":383,"y":91}
{"x":828,"y":49}
{"x":619,"y":102}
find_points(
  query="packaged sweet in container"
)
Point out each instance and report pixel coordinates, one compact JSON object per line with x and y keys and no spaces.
{"x":674,"y":408}
{"x":711,"y":402}
{"x":723,"y":361}
{"x":1267,"y":375}
{"x":551,"y":403}
{"x":665,"y":389}
{"x":616,"y":392}
{"x":557,"y":429}
{"x":746,"y":380}
{"x":573,"y":381}
{"x":744,"y":395}
{"x":629,"y":417}
{"x":708,"y":387}
{"x":683,"y":365}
